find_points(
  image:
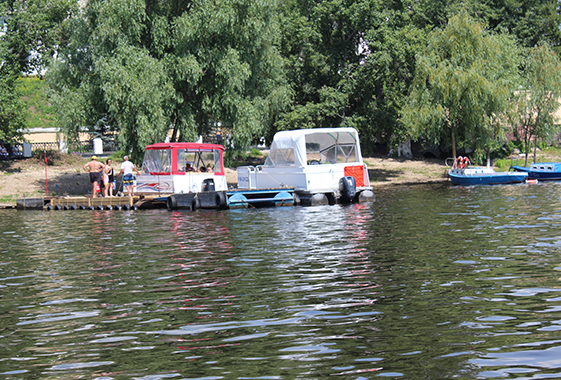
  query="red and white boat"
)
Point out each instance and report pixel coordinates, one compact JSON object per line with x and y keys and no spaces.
{"x":176,"y":168}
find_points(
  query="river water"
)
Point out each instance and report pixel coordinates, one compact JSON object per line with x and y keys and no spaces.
{"x":428,"y":282}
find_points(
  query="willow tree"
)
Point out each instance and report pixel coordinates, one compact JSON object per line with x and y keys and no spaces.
{"x":141,"y":67}
{"x":106,"y":80}
{"x":538,"y":101}
{"x":463,"y":81}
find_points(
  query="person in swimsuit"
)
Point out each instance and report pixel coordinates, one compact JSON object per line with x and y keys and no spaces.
{"x":108,"y":178}
{"x":95,"y":168}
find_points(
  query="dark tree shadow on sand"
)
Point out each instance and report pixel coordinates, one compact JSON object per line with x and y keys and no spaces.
{"x":383,"y":175}
{"x":66,"y":184}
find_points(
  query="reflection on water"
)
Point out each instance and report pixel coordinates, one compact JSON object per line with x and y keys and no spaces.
{"x":429,"y":282}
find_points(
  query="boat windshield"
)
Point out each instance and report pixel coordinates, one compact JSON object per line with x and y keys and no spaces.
{"x":202,"y":160}
{"x":301,"y":148}
{"x":157,"y":161}
{"x":280,"y":157}
{"x":330,"y":148}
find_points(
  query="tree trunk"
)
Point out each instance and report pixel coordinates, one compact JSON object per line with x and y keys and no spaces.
{"x":535,"y":148}
{"x":453,"y":141}
{"x":527,"y":149}
{"x":174,"y":133}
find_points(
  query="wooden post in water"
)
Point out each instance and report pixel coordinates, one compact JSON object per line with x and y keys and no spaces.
{"x":46,"y":179}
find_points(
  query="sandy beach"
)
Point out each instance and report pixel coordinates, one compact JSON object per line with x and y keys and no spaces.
{"x":28,"y":178}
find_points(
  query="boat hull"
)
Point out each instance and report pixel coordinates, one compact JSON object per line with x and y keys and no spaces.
{"x":543,"y":171}
{"x":467,"y":178}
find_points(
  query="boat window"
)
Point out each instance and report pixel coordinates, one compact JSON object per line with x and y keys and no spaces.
{"x":280,"y":157}
{"x":331,"y":148}
{"x":348,"y":153}
{"x":198,"y":160}
{"x":157,"y":161}
{"x":217,"y":167}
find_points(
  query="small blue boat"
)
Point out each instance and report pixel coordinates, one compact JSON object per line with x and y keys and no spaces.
{"x":462,"y":174}
{"x":543,"y":171}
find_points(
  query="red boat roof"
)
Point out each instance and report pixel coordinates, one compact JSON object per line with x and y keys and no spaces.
{"x":185,"y":145}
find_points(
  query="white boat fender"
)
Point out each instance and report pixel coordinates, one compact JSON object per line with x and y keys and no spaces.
{"x":319,"y":199}
{"x":366,"y":196}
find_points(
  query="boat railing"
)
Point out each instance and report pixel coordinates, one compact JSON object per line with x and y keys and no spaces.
{"x":513,"y":163}
{"x":449,"y":161}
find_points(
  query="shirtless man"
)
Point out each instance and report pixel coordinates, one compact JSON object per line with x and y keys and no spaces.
{"x":95,"y":168}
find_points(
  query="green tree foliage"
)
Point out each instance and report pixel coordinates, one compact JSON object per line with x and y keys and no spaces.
{"x":33,"y":29}
{"x":531,"y":21}
{"x":350,"y":63}
{"x":538,"y":100}
{"x":140,"y":67}
{"x":462,"y":84}
{"x":40,"y":112}
{"x":144,"y":66}
{"x":12,"y":116}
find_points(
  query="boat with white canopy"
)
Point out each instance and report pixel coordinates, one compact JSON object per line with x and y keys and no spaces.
{"x":323,"y":165}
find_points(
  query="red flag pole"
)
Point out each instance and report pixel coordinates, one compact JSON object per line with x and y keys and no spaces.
{"x":46,"y":179}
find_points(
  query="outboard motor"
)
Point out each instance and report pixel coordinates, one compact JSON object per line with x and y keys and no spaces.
{"x":208,"y":185}
{"x":347,"y":187}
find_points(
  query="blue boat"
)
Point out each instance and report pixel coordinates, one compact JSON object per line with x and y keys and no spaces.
{"x":543,"y":171}
{"x":462,"y":174}
{"x":484,"y":176}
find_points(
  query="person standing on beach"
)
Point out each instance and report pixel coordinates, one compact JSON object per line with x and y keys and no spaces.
{"x":108,"y":179}
{"x":126,"y":168}
{"x":95,"y":168}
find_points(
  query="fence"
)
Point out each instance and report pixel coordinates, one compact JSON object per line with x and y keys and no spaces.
{"x":44,"y":146}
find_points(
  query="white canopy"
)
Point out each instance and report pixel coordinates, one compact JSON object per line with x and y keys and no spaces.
{"x":314,"y":146}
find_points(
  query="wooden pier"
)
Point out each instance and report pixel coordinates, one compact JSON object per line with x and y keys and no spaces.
{"x":219,"y":200}
{"x":89,"y":203}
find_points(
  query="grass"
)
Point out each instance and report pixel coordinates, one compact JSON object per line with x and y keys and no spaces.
{"x":548,"y":154}
{"x":8,"y":199}
{"x":40,"y":113}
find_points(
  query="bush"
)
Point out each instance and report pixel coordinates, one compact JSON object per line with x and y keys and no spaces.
{"x":56,"y":158}
{"x":255,"y":153}
{"x":118,"y":156}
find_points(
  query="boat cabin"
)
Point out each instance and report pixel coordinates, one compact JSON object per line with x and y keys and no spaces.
{"x":170,"y":168}
{"x":313,"y":161}
{"x":546,"y":167}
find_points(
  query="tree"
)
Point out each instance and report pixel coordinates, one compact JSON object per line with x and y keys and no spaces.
{"x":462,"y":84}
{"x":145,"y":66}
{"x":538,"y":100}
{"x":350,"y":64}
{"x":12,"y":116}
{"x":33,"y":29}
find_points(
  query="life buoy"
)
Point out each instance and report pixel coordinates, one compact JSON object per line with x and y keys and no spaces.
{"x":458,"y":163}
{"x":465,"y":162}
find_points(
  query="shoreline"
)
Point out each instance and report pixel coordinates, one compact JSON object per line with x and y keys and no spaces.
{"x":26,"y":178}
